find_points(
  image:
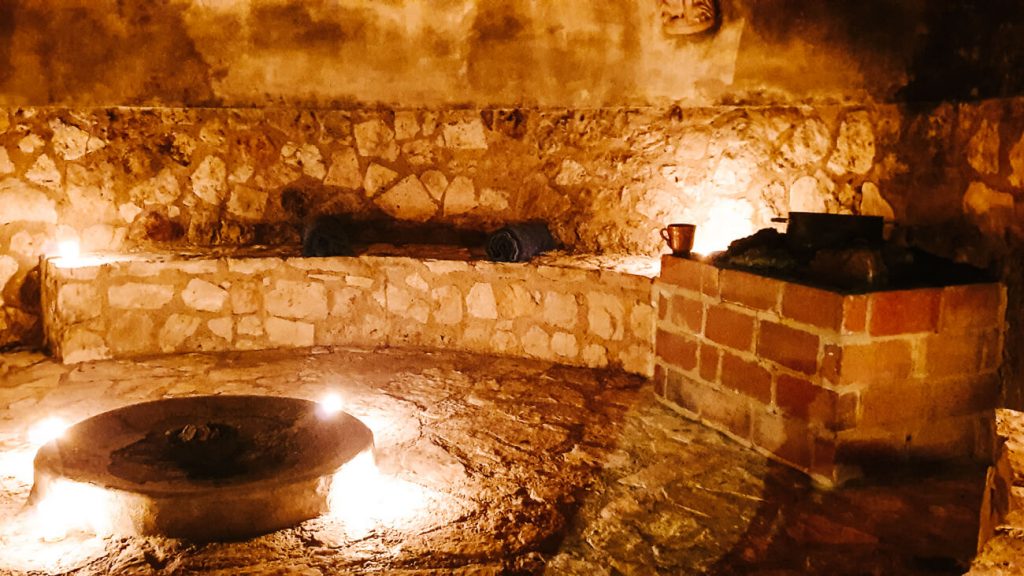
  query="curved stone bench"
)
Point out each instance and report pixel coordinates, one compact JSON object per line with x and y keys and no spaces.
{"x":589,"y":311}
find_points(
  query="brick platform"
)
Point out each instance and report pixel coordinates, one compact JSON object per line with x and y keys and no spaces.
{"x":826,"y":382}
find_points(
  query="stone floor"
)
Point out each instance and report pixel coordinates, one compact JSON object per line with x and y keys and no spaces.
{"x":496,"y":466}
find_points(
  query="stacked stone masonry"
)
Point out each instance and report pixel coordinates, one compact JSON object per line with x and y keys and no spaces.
{"x":1001,"y":536}
{"x":827,"y":382}
{"x":570,"y":311}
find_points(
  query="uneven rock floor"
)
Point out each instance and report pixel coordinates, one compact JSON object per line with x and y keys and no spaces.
{"x":496,"y":466}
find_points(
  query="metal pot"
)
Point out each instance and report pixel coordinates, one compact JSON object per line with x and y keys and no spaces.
{"x":814,"y":230}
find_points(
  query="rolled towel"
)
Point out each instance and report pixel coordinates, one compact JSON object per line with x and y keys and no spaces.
{"x":520,"y":242}
{"x":327,"y":236}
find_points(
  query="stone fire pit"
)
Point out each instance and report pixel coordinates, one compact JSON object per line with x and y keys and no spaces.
{"x":202,"y":468}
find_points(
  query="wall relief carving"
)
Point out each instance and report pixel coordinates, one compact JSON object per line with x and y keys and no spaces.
{"x":685,"y":17}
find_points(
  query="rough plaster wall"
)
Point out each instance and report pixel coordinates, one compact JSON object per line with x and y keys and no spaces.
{"x":325,"y":53}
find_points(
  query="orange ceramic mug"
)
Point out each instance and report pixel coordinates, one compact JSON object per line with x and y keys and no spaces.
{"x":679,"y":238}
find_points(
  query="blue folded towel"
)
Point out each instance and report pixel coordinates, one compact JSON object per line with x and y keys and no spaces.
{"x":520,"y":242}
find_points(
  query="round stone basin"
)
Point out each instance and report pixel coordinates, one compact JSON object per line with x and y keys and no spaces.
{"x":206,"y":467}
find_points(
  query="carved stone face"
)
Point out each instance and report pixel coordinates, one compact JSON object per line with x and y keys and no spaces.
{"x":688,"y":16}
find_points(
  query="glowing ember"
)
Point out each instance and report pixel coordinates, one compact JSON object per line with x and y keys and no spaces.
{"x":46,"y":430}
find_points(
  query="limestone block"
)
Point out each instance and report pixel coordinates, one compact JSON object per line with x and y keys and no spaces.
{"x":359,"y":281}
{"x":77,"y":302}
{"x":28,"y":245}
{"x":465,"y":135}
{"x":129,"y":212}
{"x":209,"y":181}
{"x":537,"y":343}
{"x":134,"y":295}
{"x":692,"y":145}
{"x":291,"y":299}
{"x":306,"y":157}
{"x":637,"y":360}
{"x":247,"y":202}
{"x":494,"y":199}
{"x":30,"y":143}
{"x":90,"y":193}
{"x":807,"y":144}
{"x":855,"y":147}
{"x":992,"y":211}
{"x":251,"y":266}
{"x":807,"y":195}
{"x":241,"y":174}
{"x":404,"y":303}
{"x":595,"y":356}
{"x":8,"y":268}
{"x":605,"y":315}
{"x":71,"y":142}
{"x":177,"y":329}
{"x":203,"y":295}
{"x":44,"y":173}
{"x":416,"y":281}
{"x":408,"y":200}
{"x":460,"y":198}
{"x":250,"y":326}
{"x":435,"y":182}
{"x":344,"y":171}
{"x":983,"y":149}
{"x":103,"y":237}
{"x":518,"y":301}
{"x":375,"y":138}
{"x":288,"y":333}
{"x":377,"y":178}
{"x":163,"y":189}
{"x":480,"y":301}
{"x":6,"y":166}
{"x":197,"y":267}
{"x":561,"y":309}
{"x":446,"y":266}
{"x":244,"y":298}
{"x":420,"y":153}
{"x":1016,"y":163}
{"x":641,"y":322}
{"x":406,"y":125}
{"x":222,"y":327}
{"x":504,"y":342}
{"x":344,"y":302}
{"x":564,"y":344}
{"x":570,"y":173}
{"x":138,"y":269}
{"x":132,"y":332}
{"x":449,"y":305}
{"x":82,"y":345}
{"x":872,"y":203}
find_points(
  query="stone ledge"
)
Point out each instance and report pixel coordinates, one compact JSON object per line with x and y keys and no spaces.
{"x":584,"y":310}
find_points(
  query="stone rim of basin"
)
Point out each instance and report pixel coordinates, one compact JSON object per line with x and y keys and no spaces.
{"x":251,"y":464}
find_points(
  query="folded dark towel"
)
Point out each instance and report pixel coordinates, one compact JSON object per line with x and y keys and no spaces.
{"x":327,"y":236}
{"x":519,"y":242}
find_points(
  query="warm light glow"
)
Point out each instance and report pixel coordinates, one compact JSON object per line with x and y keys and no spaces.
{"x":330,"y":404}
{"x":726,"y":221}
{"x":18,"y":464}
{"x":363,"y":499}
{"x":71,"y":506}
{"x":69,"y":249}
{"x":46,"y":430}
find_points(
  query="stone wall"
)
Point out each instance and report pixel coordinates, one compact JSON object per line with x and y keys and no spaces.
{"x":572,"y":311}
{"x":123,"y":179}
{"x":828,"y":382}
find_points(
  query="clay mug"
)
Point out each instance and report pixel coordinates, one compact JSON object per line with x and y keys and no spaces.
{"x":679,"y":238}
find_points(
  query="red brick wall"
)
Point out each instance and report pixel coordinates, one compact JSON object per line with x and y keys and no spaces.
{"x":826,"y":382}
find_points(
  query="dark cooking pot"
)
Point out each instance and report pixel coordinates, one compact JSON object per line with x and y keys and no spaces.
{"x":814,"y":230}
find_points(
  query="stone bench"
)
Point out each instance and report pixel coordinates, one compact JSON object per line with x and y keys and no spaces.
{"x":588,"y":311}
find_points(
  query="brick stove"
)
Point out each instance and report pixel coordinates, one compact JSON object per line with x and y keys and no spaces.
{"x":830,"y":383}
